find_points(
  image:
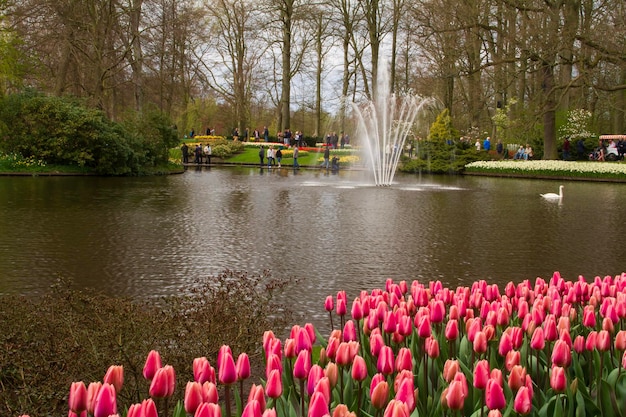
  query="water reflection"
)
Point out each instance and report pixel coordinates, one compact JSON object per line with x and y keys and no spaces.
{"x":153,"y":236}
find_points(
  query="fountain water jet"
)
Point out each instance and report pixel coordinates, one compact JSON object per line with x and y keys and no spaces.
{"x":384,"y":123}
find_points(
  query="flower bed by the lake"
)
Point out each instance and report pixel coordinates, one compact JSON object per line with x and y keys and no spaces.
{"x":550,"y":168}
{"x":542,"y":348}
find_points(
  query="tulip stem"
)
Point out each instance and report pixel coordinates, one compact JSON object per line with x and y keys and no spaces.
{"x":302,"y":397}
{"x":227,"y":400}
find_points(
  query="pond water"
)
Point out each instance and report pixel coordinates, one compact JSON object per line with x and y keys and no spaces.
{"x":145,"y":237}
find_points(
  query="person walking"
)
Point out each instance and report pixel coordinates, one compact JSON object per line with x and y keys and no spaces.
{"x":185,"y":151}
{"x":325,"y":164}
{"x":295,"y":157}
{"x":261,"y":154}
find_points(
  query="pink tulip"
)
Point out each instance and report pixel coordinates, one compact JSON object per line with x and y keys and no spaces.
{"x":92,"y":394}
{"x":359,"y":368}
{"x":106,"y":401}
{"x":579,"y":344}
{"x":193,"y":397}
{"x":517,"y":377}
{"x":455,"y":396}
{"x":163,"y":383}
{"x":329,"y":303}
{"x":332,"y":373}
{"x":620,"y":340}
{"x":603,"y":341}
{"x":514,"y":357}
{"x":209,"y":393}
{"x":406,"y":393}
{"x":590,"y":342}
{"x":115,"y":377}
{"x":270,"y":412}
{"x":226,"y":370}
{"x":310,"y":329}
{"x":148,"y":408}
{"x":78,"y":397}
{"x":303,"y":340}
{"x":376,"y":343}
{"x":390,"y":322}
{"x":342,"y":411}
{"x":404,"y":360}
{"x":480,"y":342}
{"x":318,"y":407}
{"x":203,"y":371}
{"x":558,"y":379}
{"x":315,"y":374}
{"x":523,"y":401}
{"x":405,"y":325}
{"x":153,"y":362}
{"x":396,"y":408}
{"x":481,"y":374}
{"x":70,"y":413}
{"x":323,"y":387}
{"x":505,"y":345}
{"x":423,"y":327}
{"x":537,"y":342}
{"x":357,"y":309}
{"x":385,"y":360}
{"x":452,"y":330}
{"x":450,"y":368}
{"x":290,"y":348}
{"x":208,"y":410}
{"x":379,"y":394}
{"x":561,"y":354}
{"x":302,"y":365}
{"x":252,"y":409}
{"x":341,"y":307}
{"x":243,"y":366}
{"x":133,"y":411}
{"x":274,"y":385}
{"x":257,"y":393}
{"x":494,"y":395}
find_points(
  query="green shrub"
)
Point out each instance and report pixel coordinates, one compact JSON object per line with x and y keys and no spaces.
{"x":437,"y":157}
{"x":67,"y":335}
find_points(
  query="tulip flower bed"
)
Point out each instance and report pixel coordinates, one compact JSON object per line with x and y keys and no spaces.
{"x":542,"y":348}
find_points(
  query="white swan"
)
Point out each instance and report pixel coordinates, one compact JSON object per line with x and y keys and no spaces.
{"x":554,"y":196}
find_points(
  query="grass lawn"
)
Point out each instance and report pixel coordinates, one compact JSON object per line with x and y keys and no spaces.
{"x":250,"y":155}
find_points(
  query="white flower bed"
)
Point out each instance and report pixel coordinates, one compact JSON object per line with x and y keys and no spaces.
{"x":558,"y":167}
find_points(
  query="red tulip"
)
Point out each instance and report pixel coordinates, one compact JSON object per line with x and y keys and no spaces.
{"x":163,"y":383}
{"x":561,"y":354}
{"x":558,"y":379}
{"x":302,"y":365}
{"x":252,"y":409}
{"x":115,"y":377}
{"x":193,"y":396}
{"x":379,"y":394}
{"x":243,"y":366}
{"x":359,"y":369}
{"x":78,"y":397}
{"x":481,"y":374}
{"x":494,"y":395}
{"x":153,"y":362}
{"x":106,"y":401}
{"x":274,"y":385}
{"x":523,"y":401}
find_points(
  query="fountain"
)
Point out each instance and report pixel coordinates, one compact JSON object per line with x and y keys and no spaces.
{"x":384,"y":123}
